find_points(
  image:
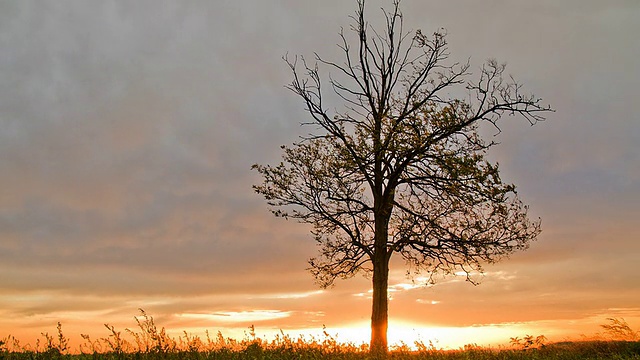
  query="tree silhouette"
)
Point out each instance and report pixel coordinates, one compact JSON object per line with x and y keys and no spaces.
{"x":402,"y":168}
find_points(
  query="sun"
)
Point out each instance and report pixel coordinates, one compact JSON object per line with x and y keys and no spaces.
{"x":416,"y":335}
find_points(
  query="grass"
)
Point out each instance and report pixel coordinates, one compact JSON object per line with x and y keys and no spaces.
{"x":151,"y":342}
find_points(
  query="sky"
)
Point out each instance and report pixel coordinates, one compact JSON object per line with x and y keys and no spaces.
{"x":128,"y":130}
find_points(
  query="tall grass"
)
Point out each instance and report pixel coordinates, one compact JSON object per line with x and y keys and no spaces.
{"x":150,"y":342}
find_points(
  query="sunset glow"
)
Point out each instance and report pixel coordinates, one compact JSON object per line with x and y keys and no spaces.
{"x":128,"y":132}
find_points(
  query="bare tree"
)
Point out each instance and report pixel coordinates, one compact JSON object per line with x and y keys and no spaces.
{"x":402,"y":168}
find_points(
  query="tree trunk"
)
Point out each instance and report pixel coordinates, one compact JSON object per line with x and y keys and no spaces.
{"x":380,"y":308}
{"x":382,"y":213}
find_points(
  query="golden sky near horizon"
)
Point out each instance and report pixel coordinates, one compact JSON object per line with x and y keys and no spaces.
{"x":127,"y":133}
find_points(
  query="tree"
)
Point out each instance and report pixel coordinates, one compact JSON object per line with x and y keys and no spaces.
{"x":402,"y":168}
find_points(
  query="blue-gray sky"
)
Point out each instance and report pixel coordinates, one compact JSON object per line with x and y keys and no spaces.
{"x":127,"y":132}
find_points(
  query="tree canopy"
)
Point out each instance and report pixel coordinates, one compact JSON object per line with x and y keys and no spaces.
{"x":401,"y":168}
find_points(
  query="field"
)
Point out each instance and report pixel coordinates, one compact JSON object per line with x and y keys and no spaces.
{"x":149,"y":342}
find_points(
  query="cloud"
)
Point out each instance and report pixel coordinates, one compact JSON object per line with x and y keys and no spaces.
{"x":240,"y":316}
{"x":298,"y":295}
